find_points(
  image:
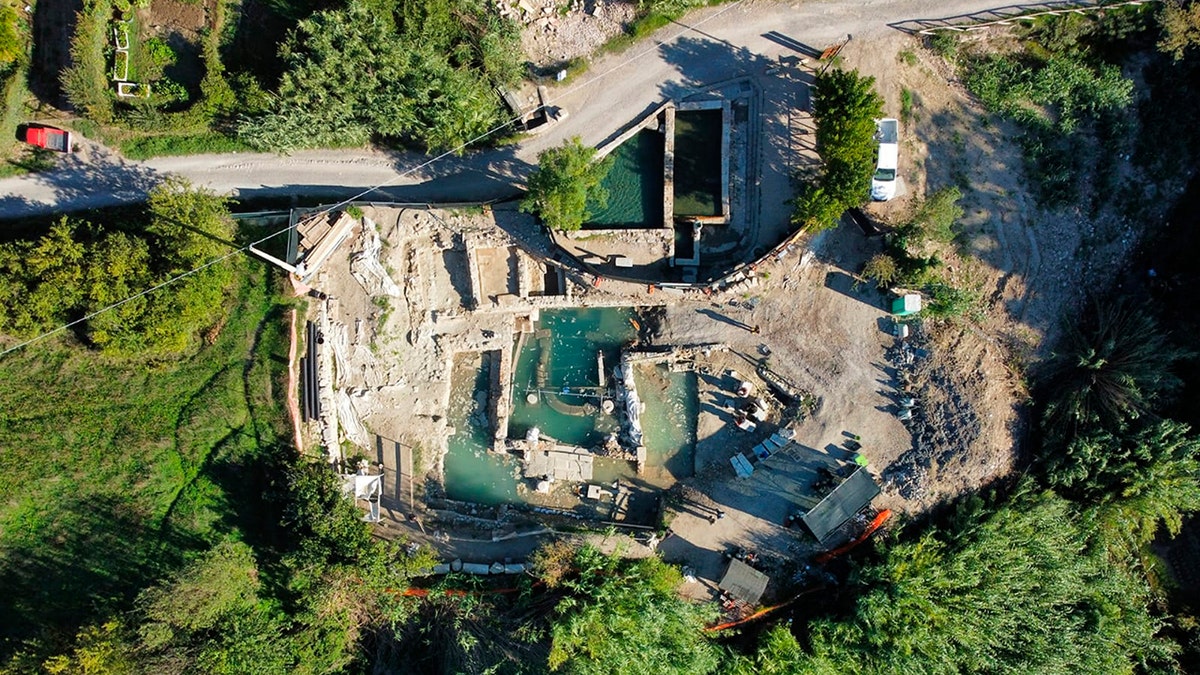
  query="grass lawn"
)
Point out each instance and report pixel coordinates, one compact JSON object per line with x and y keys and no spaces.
{"x":112,"y":474}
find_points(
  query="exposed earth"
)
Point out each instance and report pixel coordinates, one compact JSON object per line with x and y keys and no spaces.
{"x":819,"y":325}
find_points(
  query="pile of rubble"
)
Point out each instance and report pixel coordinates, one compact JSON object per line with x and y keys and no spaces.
{"x":937,"y":411}
{"x":554,"y":33}
{"x":547,"y":12}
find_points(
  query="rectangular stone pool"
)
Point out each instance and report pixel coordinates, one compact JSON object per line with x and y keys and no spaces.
{"x":698,"y":162}
{"x":634,"y":185}
{"x":557,"y":387}
{"x":471,"y":472}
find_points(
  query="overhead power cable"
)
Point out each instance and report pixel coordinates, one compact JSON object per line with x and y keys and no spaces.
{"x":367,"y":191}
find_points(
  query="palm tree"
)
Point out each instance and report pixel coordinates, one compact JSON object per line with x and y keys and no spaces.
{"x":1115,"y":366}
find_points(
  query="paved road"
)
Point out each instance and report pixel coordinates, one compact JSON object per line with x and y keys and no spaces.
{"x":708,"y":45}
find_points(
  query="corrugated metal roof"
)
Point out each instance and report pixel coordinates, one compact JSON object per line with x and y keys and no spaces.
{"x":744,"y":582}
{"x":847,"y":499}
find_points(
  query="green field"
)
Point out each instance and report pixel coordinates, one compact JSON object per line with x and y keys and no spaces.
{"x":115,"y":473}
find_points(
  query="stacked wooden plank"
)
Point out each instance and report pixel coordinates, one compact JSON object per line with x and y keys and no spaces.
{"x":321,"y":235}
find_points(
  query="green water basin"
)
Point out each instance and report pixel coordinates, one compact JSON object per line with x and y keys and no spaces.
{"x":698,"y":163}
{"x":634,"y":185}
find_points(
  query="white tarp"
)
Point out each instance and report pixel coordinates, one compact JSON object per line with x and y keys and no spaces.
{"x":366,"y":268}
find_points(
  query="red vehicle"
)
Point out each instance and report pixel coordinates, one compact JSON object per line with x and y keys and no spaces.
{"x":48,"y":137}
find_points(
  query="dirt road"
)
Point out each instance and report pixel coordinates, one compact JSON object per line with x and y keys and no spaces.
{"x":707,"y":46}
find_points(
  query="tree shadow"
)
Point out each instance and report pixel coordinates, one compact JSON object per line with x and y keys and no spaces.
{"x":482,"y":175}
{"x":79,"y":185}
{"x":770,"y":133}
{"x":847,"y":285}
{"x":87,"y":563}
{"x":704,"y":63}
{"x":53,"y":27}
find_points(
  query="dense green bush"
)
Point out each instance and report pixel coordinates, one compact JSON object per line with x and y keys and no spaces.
{"x":567,"y":178}
{"x":12,"y":44}
{"x":354,"y":74}
{"x":935,"y":216}
{"x":77,"y":268}
{"x":944,"y":301}
{"x":1057,"y":93}
{"x":86,"y":81}
{"x":1015,"y":588}
{"x":1180,"y":28}
{"x":1114,"y":365}
{"x":1057,"y":96}
{"x":626,"y":616}
{"x":145,"y":147}
{"x":1141,"y":477}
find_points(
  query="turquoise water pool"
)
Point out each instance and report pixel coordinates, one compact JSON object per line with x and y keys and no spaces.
{"x":473,"y":474}
{"x":669,"y":421}
{"x":558,"y":363}
{"x":563,"y":353}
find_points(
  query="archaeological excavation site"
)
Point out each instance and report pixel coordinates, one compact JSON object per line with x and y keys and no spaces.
{"x":681,"y":370}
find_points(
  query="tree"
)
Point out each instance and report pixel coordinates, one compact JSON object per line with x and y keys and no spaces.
{"x":1180,"y":21}
{"x":1010,"y":589}
{"x":937,"y":215}
{"x":80,"y":269}
{"x":845,"y":107}
{"x":12,"y":47}
{"x":363,"y":72}
{"x":881,"y":269}
{"x":222,"y":582}
{"x":625,"y":616}
{"x":1137,"y":480}
{"x":192,"y":225}
{"x":778,"y":653}
{"x":1115,"y":365}
{"x":567,"y":177}
{"x":98,"y":650}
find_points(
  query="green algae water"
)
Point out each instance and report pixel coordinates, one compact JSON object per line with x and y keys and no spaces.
{"x":558,"y":364}
{"x":698,"y":163}
{"x":634,"y":185}
{"x":472,"y":474}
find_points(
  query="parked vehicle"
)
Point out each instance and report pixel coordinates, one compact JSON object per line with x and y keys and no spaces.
{"x":50,"y":138}
{"x":883,"y":183}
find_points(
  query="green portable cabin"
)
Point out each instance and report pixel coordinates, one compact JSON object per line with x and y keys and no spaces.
{"x":907,"y":304}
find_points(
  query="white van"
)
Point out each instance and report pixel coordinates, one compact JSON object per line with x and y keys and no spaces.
{"x":883,"y":183}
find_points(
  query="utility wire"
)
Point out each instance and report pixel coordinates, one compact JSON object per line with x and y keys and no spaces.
{"x":404,"y":174}
{"x":135,"y":296}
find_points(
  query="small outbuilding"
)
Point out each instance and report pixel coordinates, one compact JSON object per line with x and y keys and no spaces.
{"x":744,"y":582}
{"x":854,"y":494}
